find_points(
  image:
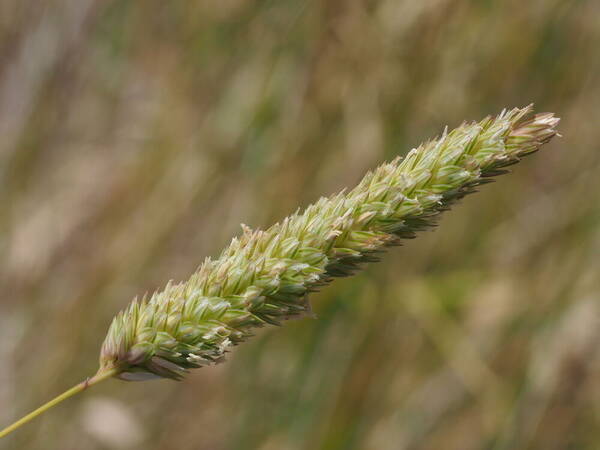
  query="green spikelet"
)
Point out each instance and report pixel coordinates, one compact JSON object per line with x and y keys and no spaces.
{"x":264,"y":277}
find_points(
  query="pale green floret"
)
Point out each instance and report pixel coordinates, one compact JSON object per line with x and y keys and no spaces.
{"x":264,"y":277}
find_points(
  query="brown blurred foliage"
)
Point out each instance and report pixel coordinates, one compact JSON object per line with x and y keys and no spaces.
{"x":136,"y":136}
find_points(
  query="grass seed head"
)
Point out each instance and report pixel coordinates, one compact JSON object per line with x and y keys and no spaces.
{"x":264,"y":277}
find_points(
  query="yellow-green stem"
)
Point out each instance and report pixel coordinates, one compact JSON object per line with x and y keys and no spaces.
{"x":100,"y":376}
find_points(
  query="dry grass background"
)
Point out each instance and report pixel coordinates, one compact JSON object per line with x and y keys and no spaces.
{"x":136,"y":136}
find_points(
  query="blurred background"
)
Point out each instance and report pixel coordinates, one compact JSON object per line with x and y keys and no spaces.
{"x":135,"y":137}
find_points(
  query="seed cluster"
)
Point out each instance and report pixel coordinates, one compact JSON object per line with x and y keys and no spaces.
{"x":264,"y":277}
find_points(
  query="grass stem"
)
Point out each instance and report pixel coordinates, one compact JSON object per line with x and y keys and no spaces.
{"x":100,"y":376}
